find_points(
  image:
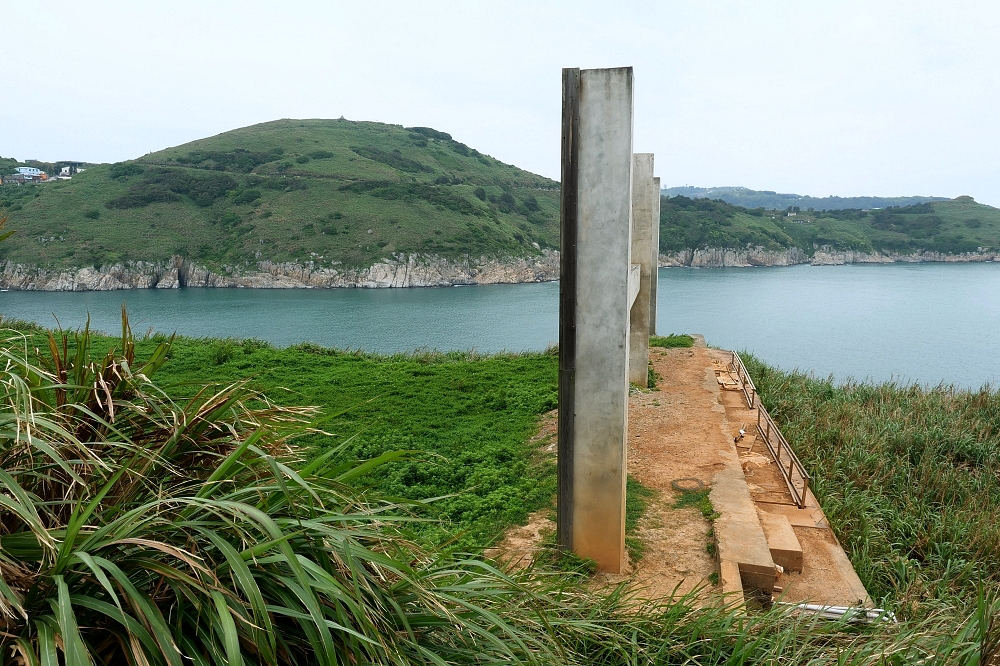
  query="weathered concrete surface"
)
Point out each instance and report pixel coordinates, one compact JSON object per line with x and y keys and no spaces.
{"x":604,"y":204}
{"x":398,"y":271}
{"x":644,"y":198}
{"x":781,"y":540}
{"x":655,"y":249}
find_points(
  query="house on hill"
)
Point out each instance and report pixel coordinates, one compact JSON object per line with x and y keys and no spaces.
{"x":29,"y":171}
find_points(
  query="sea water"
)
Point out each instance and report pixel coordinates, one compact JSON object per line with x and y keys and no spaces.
{"x":928,"y":323}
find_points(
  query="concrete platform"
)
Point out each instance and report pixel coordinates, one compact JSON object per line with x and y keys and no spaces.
{"x":781,"y":541}
{"x":800,"y":540}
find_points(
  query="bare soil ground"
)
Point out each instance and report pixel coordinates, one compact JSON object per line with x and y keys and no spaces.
{"x":676,"y":432}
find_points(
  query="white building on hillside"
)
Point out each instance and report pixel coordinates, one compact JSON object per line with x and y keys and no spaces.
{"x":29,"y":171}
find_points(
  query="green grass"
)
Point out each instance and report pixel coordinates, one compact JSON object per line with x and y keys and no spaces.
{"x":903,"y":473}
{"x":671,"y":341}
{"x":637,"y":498}
{"x":950,"y":227}
{"x":468,"y":416}
{"x":335,"y":193}
{"x":908,"y":477}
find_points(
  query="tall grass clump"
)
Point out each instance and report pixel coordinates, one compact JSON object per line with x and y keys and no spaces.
{"x":140,"y":526}
{"x":908,"y":476}
{"x":142,"y":530}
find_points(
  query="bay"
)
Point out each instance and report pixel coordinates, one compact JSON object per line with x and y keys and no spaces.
{"x":924,"y":323}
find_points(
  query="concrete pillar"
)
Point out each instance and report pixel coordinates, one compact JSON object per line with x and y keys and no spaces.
{"x":596,"y":242}
{"x":644,"y":198}
{"x":655,"y":276}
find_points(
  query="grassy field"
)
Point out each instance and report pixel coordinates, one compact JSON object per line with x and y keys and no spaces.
{"x":950,"y":227}
{"x":909,"y":479}
{"x":466,"y":418}
{"x":333,"y":192}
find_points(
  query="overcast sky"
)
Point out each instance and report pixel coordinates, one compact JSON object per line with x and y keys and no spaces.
{"x":819,"y":98}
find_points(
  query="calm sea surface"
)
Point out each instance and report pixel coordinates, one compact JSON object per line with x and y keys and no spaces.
{"x":928,"y":323}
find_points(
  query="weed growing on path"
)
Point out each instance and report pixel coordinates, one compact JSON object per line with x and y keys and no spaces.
{"x":671,"y":341}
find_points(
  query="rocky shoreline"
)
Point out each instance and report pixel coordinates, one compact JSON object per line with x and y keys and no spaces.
{"x":824,"y":256}
{"x":398,"y":271}
{"x":416,"y":270}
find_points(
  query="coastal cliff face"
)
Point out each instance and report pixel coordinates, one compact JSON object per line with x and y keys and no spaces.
{"x":415,"y":270}
{"x":398,"y":271}
{"x":825,"y":256}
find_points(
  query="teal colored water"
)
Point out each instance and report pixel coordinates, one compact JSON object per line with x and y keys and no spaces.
{"x":928,"y":323}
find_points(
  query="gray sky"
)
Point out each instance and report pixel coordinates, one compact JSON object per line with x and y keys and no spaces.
{"x":846,"y":98}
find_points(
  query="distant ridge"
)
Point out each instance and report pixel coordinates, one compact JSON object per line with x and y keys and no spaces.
{"x":742,"y":196}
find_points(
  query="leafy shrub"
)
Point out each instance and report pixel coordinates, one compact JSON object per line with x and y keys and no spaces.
{"x":321,"y":154}
{"x":302,"y":159}
{"x":92,"y":214}
{"x":247,"y":196}
{"x":433,"y":194}
{"x":431,"y":133}
{"x":480,"y":193}
{"x":442,"y":180}
{"x":164,"y":184}
{"x":460,"y":148}
{"x":531,"y":203}
{"x":393,"y":159}
{"x":237,"y":159}
{"x":123,"y":170}
{"x":506,"y":203}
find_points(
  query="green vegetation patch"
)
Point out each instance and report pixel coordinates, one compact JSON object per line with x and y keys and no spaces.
{"x":908,"y":477}
{"x":268,"y":192}
{"x":468,"y":416}
{"x":947,"y":226}
{"x":671,"y":340}
{"x":637,"y":497}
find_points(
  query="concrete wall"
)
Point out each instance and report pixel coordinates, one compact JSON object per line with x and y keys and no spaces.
{"x":644,"y":197}
{"x":599,"y":386}
{"x":654,"y":277}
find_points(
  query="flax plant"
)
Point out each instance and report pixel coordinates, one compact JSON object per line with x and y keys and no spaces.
{"x":136,"y":529}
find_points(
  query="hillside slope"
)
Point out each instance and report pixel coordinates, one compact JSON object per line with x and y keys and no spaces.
{"x":742,"y":196}
{"x":949,"y":227}
{"x":331,"y":192}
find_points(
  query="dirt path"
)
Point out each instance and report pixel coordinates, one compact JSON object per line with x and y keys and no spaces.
{"x":674,"y":433}
{"x":684,"y":430}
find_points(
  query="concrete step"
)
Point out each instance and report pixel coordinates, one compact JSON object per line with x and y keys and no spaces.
{"x":738,"y":533}
{"x":781,"y":541}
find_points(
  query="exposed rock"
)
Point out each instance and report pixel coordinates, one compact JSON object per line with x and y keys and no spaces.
{"x":397,"y":271}
{"x":412,"y":270}
{"x":721,"y":257}
{"x":823,"y":256}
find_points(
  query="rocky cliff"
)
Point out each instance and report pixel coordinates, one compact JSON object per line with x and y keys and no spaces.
{"x":397,"y":271}
{"x":824,"y":256}
{"x":414,"y":270}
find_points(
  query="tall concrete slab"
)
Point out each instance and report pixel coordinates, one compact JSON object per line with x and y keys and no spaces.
{"x":596,"y":226}
{"x":644,"y":197}
{"x":654,"y":278}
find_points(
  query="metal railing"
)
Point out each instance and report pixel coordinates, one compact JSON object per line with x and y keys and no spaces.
{"x":749,"y":390}
{"x":795,"y":475}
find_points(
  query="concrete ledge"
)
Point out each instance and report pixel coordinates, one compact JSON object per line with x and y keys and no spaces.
{"x":858,"y":591}
{"x":738,"y":532}
{"x":730,"y":580}
{"x":781,"y":541}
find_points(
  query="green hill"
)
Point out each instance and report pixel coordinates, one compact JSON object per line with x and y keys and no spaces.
{"x":951,"y":226}
{"x":742,"y":196}
{"x":335,"y":192}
